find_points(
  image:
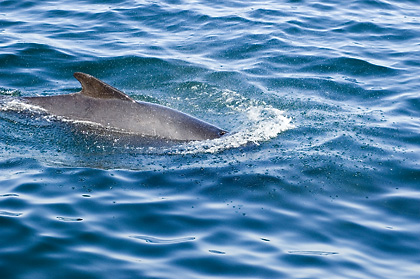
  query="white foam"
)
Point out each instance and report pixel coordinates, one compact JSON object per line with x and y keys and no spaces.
{"x":14,"y":104}
{"x":256,"y":122}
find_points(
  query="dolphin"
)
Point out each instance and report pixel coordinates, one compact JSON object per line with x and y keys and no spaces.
{"x":105,"y":106}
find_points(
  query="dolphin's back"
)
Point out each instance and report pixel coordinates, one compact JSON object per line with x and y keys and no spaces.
{"x":105,"y":105}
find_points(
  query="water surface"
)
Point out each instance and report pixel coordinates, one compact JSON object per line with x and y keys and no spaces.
{"x":319,"y":177}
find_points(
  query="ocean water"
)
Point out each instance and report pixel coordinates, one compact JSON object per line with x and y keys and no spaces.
{"x":319,"y":176}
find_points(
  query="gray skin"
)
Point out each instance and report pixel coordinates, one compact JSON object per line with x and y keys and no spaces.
{"x":105,"y":105}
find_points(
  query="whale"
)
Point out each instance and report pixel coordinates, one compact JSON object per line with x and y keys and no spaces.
{"x":104,"y":106}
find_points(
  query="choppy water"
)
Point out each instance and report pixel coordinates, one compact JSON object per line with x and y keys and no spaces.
{"x":319,"y":177}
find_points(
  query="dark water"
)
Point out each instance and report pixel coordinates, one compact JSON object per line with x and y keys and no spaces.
{"x":319,"y":177}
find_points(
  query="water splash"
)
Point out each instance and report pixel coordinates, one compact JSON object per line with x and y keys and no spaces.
{"x":8,"y":103}
{"x":249,"y":122}
{"x":255,"y":122}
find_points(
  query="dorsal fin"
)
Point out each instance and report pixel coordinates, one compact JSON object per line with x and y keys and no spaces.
{"x":96,"y":88}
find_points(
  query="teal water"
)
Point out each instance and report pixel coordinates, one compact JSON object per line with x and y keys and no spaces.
{"x":319,"y":177}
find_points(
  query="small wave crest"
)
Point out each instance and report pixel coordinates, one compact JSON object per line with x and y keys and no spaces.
{"x":12,"y":104}
{"x":253,"y":122}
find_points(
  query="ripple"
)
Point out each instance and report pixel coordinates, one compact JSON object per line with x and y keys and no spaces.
{"x":217,"y":252}
{"x":154,"y":240}
{"x":10,"y":214}
{"x":69,"y":219}
{"x":349,"y":66}
{"x":313,"y":253}
{"x":10,"y":195}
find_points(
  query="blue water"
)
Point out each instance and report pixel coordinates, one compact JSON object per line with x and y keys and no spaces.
{"x":318,"y":178}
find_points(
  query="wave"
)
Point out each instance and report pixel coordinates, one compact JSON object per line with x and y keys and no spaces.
{"x":257,"y":122}
{"x":251,"y":121}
